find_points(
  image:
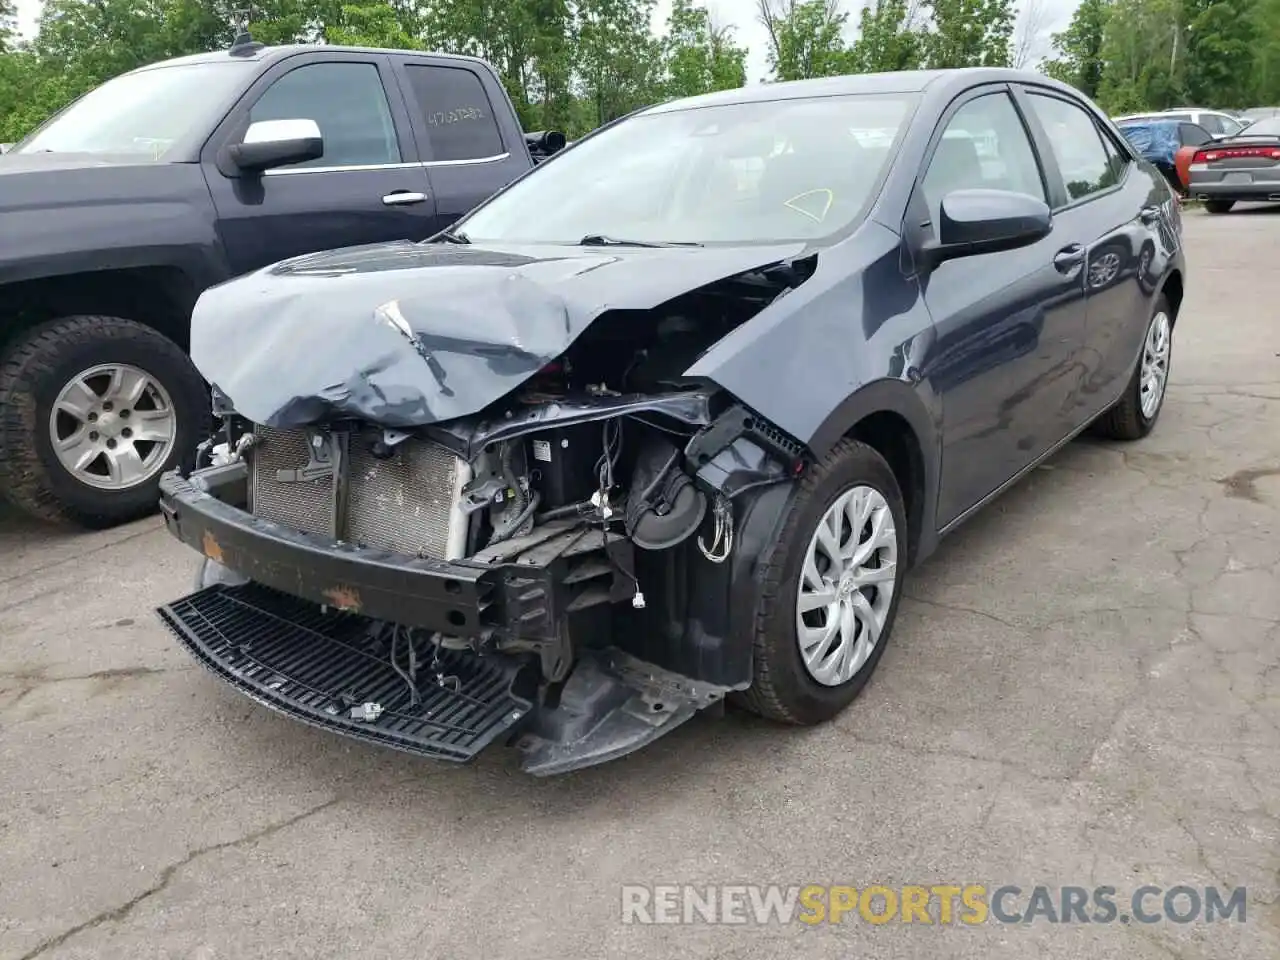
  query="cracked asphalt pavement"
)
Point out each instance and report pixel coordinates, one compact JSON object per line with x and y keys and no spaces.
{"x":1083,"y":689}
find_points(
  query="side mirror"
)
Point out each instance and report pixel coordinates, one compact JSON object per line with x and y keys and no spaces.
{"x":5,"y":147}
{"x":544,"y":143}
{"x":987,"y":221}
{"x":277,"y":143}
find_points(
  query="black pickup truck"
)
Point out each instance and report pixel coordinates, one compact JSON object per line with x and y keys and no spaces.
{"x":121,"y":210}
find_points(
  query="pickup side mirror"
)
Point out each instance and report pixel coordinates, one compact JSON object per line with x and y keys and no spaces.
{"x":972,"y":222}
{"x":277,"y":143}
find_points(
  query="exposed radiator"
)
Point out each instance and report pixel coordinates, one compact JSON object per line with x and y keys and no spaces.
{"x":409,"y":503}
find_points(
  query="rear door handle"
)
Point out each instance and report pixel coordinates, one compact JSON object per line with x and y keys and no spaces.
{"x":402,"y":197}
{"x":1068,"y":258}
{"x":1149,"y":215}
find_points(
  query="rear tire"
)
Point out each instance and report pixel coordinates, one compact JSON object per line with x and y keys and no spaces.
{"x":1219,"y":206}
{"x":1133,"y":417}
{"x":49,"y":369}
{"x":785,"y":687}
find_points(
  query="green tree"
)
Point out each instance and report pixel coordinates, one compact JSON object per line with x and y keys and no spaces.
{"x":1142,"y":56}
{"x":8,"y":25}
{"x":619,"y":60}
{"x":1220,"y":45}
{"x":1079,"y":48}
{"x":806,"y":38}
{"x":969,"y":33}
{"x":887,"y":38}
{"x":1265,"y":19}
{"x":700,"y":57}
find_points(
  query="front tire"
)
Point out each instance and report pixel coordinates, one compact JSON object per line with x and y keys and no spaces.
{"x":92,"y":411}
{"x":1219,"y":206}
{"x":1135,"y":414}
{"x":831,"y":589}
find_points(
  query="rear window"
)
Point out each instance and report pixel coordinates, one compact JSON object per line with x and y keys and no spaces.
{"x":457,"y":113}
{"x":733,"y":173}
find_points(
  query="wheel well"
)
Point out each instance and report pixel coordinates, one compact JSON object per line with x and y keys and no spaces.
{"x":159,"y":297}
{"x":1173,"y":292}
{"x":891,"y":436}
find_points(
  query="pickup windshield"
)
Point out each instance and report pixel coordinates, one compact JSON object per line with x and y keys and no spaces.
{"x":776,"y":171}
{"x":143,"y":113}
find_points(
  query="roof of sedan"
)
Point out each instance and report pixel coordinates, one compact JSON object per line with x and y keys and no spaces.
{"x":901,"y":81}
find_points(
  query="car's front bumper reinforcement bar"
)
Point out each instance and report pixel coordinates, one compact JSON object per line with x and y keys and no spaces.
{"x":449,"y":598}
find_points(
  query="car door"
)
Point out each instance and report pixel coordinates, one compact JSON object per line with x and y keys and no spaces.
{"x":1113,"y":208}
{"x":1008,"y":324}
{"x":466,"y":132}
{"x":369,"y":186}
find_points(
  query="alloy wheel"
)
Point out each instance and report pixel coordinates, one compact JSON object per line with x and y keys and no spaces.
{"x":1155,"y":365}
{"x":113,"y":426}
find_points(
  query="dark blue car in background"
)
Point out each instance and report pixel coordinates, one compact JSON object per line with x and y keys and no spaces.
{"x":669,"y":419}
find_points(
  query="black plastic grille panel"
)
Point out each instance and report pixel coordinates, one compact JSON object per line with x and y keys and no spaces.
{"x":314,"y":666}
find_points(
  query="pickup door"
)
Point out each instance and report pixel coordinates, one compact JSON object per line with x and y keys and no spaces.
{"x":466,"y":130}
{"x":369,"y":186}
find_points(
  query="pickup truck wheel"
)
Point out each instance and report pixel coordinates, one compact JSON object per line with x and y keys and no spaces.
{"x":92,"y":411}
{"x":831,"y":589}
{"x":1219,"y":206}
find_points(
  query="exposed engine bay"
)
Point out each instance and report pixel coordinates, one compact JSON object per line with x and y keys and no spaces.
{"x":559,"y":566}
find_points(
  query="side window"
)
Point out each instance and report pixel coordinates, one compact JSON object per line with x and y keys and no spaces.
{"x":1077,"y":145}
{"x":1230,"y":126}
{"x":1192,"y":135}
{"x":347,"y":102}
{"x":984,"y":146}
{"x":1213,"y":123}
{"x":457,"y":113}
{"x":1116,"y":158}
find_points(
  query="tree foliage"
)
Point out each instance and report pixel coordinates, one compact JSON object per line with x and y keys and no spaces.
{"x":567,"y":64}
{"x":574,"y":64}
{"x":1152,"y":54}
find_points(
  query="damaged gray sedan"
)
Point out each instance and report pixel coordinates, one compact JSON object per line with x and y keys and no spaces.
{"x":666,"y":421}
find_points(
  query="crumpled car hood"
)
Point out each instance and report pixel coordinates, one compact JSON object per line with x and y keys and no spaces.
{"x":406,"y":334}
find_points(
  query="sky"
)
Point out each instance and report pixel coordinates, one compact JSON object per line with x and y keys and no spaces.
{"x":741,"y":15}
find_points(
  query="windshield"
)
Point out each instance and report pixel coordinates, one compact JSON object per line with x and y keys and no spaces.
{"x":738,"y":173}
{"x":142,"y":113}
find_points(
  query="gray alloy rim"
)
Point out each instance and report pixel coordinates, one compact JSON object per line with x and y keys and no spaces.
{"x":113,"y":426}
{"x":846,"y":586}
{"x":1155,"y":364}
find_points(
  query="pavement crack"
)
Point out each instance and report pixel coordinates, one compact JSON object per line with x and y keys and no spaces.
{"x":955,"y":608}
{"x":43,"y":568}
{"x":118,"y":913}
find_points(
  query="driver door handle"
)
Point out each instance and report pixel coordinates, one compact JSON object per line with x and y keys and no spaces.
{"x":1068,"y":258}
{"x":402,"y":197}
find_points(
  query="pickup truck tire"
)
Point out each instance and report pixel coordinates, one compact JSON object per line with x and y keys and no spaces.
{"x":784,"y":687}
{"x":82,"y":359}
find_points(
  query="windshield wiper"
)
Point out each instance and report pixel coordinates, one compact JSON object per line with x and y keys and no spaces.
{"x":600,"y":240}
{"x":449,"y":236}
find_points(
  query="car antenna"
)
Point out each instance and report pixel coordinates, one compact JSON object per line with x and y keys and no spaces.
{"x":243,"y":45}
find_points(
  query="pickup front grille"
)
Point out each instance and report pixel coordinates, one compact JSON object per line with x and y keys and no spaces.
{"x":408,"y":503}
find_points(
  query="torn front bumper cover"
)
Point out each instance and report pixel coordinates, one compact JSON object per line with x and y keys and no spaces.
{"x":315,"y":634}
